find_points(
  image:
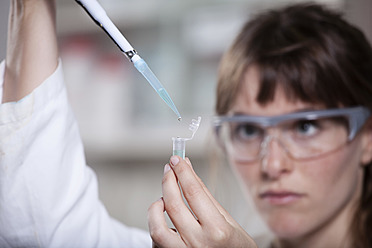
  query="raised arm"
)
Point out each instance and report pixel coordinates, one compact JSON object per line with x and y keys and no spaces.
{"x":48,"y":195}
{"x":32,"y":50}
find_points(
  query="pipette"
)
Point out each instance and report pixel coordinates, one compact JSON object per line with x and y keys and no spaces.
{"x":98,"y":14}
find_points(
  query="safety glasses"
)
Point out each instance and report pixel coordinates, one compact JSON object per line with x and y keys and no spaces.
{"x":302,"y":135}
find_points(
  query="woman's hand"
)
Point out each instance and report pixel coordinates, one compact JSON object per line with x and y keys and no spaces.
{"x":212,"y":226}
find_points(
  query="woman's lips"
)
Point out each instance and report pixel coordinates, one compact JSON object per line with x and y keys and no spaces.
{"x":280,"y":197}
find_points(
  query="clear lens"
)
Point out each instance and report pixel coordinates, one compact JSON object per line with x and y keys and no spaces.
{"x":301,"y":138}
{"x":311,"y":138}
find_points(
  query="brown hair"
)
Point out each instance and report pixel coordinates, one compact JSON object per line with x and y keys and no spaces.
{"x":316,"y":57}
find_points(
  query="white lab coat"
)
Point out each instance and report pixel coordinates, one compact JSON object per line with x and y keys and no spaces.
{"x":48,"y":196}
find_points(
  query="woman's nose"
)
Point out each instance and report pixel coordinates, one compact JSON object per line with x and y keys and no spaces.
{"x":274,"y":159}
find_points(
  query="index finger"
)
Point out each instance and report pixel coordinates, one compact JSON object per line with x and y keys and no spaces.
{"x":215,"y":202}
{"x":198,"y":200}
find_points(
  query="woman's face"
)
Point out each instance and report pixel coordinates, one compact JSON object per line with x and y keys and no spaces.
{"x":296,"y":198}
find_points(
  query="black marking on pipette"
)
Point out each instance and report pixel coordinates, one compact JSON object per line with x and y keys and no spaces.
{"x":100,"y":25}
{"x":87,"y":11}
{"x":130,"y":54}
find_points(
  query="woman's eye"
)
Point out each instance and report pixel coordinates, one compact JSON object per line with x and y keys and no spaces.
{"x":246,"y":132}
{"x":306,"y":127}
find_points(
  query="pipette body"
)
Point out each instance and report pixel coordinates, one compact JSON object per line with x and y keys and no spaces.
{"x":98,"y":14}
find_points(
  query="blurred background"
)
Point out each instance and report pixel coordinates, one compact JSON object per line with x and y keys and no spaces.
{"x":125,"y":126}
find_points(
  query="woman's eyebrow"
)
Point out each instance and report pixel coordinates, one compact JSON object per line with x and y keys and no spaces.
{"x":306,"y":109}
{"x":237,"y":113}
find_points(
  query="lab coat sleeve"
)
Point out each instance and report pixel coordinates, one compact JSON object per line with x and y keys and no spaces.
{"x":48,"y":196}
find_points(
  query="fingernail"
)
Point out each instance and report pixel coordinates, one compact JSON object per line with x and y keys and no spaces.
{"x":166,"y":168}
{"x":174,"y":160}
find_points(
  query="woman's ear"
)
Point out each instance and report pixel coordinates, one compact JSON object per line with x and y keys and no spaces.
{"x":366,"y":157}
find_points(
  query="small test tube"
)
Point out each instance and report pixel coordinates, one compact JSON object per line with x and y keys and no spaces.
{"x":179,"y":145}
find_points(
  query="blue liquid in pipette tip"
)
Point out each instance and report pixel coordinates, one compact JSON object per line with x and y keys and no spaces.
{"x":165,"y":96}
{"x":144,"y":69}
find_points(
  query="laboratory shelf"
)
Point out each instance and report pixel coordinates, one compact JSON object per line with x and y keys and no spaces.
{"x":145,"y":144}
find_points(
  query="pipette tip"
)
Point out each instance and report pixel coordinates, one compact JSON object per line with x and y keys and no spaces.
{"x":179,"y":118}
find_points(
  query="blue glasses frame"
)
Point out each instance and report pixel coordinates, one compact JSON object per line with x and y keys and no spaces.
{"x":356,"y":117}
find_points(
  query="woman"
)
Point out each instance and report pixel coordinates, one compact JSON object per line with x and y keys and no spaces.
{"x":294,"y":103}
